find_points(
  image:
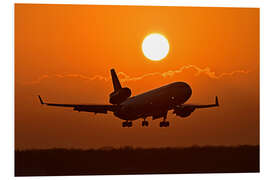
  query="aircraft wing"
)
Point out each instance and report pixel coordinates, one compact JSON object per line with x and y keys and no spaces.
{"x":202,"y":106}
{"x":84,"y":107}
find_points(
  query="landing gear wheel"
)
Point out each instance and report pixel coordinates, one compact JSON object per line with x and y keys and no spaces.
{"x":145,"y":123}
{"x":124,"y":124}
{"x":129,"y":124}
{"x":164,"y":124}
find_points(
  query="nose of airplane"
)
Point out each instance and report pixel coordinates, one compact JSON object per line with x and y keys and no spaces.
{"x":188,"y":90}
{"x":185,"y":90}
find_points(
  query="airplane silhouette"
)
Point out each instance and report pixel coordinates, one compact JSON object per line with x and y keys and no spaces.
{"x":155,"y":103}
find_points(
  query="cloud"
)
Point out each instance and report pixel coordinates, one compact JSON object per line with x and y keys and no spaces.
{"x":125,"y":77}
{"x":205,"y":71}
{"x":38,"y":80}
{"x":96,"y":77}
{"x":170,"y":73}
{"x":60,"y":76}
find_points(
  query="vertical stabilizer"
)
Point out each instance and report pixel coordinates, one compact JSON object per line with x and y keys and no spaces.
{"x":115,"y":80}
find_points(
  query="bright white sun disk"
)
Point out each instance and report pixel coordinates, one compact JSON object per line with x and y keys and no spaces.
{"x":155,"y":47}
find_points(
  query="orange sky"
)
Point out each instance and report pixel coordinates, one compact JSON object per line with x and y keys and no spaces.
{"x":65,"y":52}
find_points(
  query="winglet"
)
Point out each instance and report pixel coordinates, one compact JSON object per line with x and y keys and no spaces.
{"x":40,"y":99}
{"x":217,"y":104}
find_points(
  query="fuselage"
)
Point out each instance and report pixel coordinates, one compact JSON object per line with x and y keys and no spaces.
{"x":159,"y":100}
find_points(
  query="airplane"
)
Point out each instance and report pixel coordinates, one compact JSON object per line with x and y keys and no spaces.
{"x":155,"y":103}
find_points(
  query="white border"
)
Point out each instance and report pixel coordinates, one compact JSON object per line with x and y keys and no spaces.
{"x":209,"y":3}
{"x":7,"y":77}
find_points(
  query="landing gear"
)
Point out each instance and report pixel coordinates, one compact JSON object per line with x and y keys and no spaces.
{"x":144,"y":123}
{"x":127,"y":124}
{"x":164,"y":124}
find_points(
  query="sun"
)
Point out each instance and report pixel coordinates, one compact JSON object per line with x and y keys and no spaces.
{"x":155,"y":47}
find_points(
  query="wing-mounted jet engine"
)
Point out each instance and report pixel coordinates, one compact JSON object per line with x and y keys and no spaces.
{"x":183,"y":111}
{"x":119,"y":94}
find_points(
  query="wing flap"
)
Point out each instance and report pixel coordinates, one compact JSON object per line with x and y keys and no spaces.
{"x":95,"y":108}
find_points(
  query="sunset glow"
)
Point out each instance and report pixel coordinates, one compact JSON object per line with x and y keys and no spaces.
{"x":65,"y":52}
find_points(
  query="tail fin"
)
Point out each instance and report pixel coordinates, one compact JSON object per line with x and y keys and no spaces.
{"x":115,"y":80}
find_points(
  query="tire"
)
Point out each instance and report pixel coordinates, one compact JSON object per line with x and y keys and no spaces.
{"x":146,"y":123}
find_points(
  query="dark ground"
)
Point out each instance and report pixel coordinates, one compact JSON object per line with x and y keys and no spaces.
{"x":108,"y":161}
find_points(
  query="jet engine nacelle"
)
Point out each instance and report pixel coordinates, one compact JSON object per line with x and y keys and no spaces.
{"x":183,"y":112}
{"x":120,"y":95}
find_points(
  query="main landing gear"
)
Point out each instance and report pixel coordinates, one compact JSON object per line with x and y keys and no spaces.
{"x":164,"y":123}
{"x":127,"y":124}
{"x":145,"y":123}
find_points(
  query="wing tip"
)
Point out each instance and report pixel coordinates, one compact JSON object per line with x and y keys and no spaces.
{"x":41,"y":101}
{"x":217,"y":103}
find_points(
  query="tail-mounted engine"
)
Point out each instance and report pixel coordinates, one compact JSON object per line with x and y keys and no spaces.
{"x":183,"y":111}
{"x":120,"y":95}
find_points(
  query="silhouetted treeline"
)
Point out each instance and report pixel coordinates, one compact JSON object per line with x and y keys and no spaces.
{"x":128,"y":160}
